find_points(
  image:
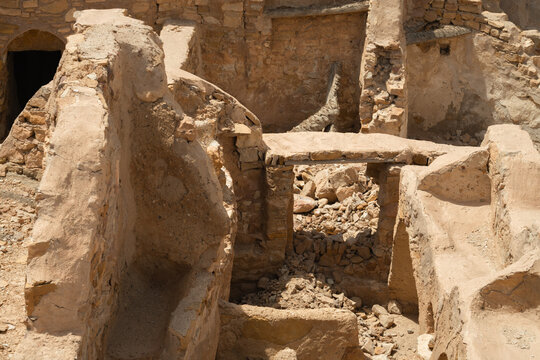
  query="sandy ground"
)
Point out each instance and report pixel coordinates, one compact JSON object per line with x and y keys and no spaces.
{"x":17,"y":214}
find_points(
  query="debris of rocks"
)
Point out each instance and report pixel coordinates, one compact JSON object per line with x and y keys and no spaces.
{"x":386,"y":320}
{"x":333,"y":239}
{"x":303,"y":204}
{"x":339,"y":231}
{"x":299,"y":288}
{"x":378,"y":310}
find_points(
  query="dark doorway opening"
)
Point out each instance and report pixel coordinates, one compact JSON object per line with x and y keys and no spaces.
{"x":28,"y":71}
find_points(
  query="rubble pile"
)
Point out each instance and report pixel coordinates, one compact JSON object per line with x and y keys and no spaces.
{"x":339,"y":232}
{"x":299,"y":286}
{"x":17,"y":215}
{"x":336,"y":218}
{"x":333,"y":238}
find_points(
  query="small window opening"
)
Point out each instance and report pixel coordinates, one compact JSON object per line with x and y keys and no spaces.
{"x":445,"y":49}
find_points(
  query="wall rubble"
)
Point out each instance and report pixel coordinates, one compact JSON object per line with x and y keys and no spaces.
{"x":383,"y":101}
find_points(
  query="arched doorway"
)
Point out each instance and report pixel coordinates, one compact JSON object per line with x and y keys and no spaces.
{"x":31,"y":62}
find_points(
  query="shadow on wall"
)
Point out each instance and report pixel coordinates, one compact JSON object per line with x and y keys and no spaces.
{"x":448,"y":92}
{"x":32,"y":60}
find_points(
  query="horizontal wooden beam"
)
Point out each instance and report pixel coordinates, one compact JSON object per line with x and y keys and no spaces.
{"x":288,"y":12}
{"x":445,"y":32}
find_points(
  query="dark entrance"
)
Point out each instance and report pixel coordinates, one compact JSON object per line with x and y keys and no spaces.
{"x":28,"y":71}
{"x":31,"y":62}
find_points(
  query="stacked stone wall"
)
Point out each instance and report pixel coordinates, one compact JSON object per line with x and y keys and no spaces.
{"x":383,"y":102}
{"x":278,"y":67}
{"x":467,"y":13}
{"x":24,"y":150}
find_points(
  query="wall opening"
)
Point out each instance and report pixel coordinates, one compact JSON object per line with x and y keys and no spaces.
{"x":32,"y":60}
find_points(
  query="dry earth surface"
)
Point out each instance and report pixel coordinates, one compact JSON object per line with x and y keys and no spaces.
{"x":17,"y":214}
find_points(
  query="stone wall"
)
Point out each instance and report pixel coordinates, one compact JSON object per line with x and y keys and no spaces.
{"x":24,"y":149}
{"x":383,"y":102}
{"x":290,"y":74}
{"x":278,"y":67}
{"x":475,"y":14}
{"x":54,"y":17}
{"x":466,"y":13}
{"x":251,"y":332}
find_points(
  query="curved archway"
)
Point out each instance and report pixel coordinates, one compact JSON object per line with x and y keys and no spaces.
{"x":31,"y":62}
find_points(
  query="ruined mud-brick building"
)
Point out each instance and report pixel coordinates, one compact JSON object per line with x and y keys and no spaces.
{"x":167,"y":138}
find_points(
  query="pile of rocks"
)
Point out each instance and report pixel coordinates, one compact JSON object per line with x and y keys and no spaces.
{"x":335,"y":200}
{"x":374,"y":324}
{"x":337,"y":229}
{"x":299,"y":286}
{"x":383,"y":332}
{"x":336,"y":217}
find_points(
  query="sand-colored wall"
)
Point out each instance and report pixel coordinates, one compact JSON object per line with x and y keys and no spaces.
{"x":459,"y":86}
{"x":123,"y":261}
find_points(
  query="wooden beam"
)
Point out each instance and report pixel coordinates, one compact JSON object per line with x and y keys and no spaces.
{"x":446,"y":32}
{"x":288,"y":12}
